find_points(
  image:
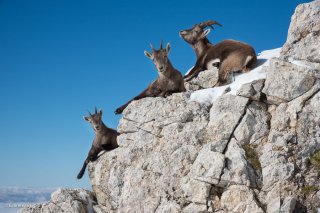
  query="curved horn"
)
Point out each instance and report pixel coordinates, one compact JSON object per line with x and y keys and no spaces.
{"x":89,"y":113}
{"x":95,"y":110}
{"x":152,"y":48}
{"x":161,"y":45}
{"x":209,"y":24}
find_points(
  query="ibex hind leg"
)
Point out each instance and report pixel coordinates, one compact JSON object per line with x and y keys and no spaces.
{"x":250,"y":63}
{"x":224,"y":73}
{"x":83,"y":169}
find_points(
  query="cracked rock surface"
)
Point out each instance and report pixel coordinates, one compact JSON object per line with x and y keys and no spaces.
{"x":244,"y":153}
{"x":248,"y":152}
{"x":66,"y":200}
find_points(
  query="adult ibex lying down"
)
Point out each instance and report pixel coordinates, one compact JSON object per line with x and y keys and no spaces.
{"x":169,"y":81}
{"x":234,"y":56}
{"x":105,"y":139}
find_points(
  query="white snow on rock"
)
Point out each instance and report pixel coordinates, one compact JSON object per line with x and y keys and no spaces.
{"x":208,"y":96}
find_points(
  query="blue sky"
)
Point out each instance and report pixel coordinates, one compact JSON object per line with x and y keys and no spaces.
{"x":60,"y":58}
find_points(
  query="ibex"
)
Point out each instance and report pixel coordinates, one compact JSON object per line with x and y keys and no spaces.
{"x":169,"y":80}
{"x":105,"y":139}
{"x":234,"y":56}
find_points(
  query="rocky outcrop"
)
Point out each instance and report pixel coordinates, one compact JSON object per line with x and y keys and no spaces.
{"x":248,"y":152}
{"x":66,"y":200}
{"x":304,"y":34}
{"x":205,"y":79}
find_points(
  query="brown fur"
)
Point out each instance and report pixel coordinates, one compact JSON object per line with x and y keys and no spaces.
{"x":105,"y":139}
{"x":169,"y":81}
{"x":233,"y":55}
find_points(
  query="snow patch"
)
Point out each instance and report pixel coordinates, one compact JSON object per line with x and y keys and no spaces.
{"x":208,"y":96}
{"x":188,"y":71}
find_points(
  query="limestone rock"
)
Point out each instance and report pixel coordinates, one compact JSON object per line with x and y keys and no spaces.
{"x":308,"y":131}
{"x":195,"y":208}
{"x":66,"y":200}
{"x":158,"y":146}
{"x":208,"y":166}
{"x":286,"y":81}
{"x":237,"y":170}
{"x":225,"y":114}
{"x":254,"y":125}
{"x":239,"y":199}
{"x":274,"y":205}
{"x":288,"y":205}
{"x":252,"y":90}
{"x":177,"y":155}
{"x":304,"y":34}
{"x":205,"y":79}
{"x":194,"y":190}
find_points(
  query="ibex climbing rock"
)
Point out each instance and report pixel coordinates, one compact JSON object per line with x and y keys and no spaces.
{"x":233,"y":56}
{"x":169,"y":80}
{"x":105,"y":139}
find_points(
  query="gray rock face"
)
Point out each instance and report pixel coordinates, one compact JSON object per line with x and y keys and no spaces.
{"x":205,"y":79}
{"x":158,"y":146}
{"x":240,"y":199}
{"x":286,"y":81}
{"x":66,"y":200}
{"x":208,"y":165}
{"x":245,"y":153}
{"x":225,"y":114}
{"x":304,"y":34}
{"x":252,"y":90}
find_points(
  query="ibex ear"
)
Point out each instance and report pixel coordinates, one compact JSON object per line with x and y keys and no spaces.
{"x":149,"y":55}
{"x":168,"y":47}
{"x":205,"y":33}
{"x":85,"y":118}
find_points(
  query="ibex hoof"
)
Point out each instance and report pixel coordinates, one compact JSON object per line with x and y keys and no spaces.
{"x":79,"y":175}
{"x":186,"y":79}
{"x":118,"y":111}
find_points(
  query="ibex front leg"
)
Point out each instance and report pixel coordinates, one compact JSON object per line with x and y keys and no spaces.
{"x":149,"y":92}
{"x":92,"y":156}
{"x":193,"y":73}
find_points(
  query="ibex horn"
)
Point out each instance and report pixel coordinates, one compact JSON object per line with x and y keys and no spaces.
{"x":95,"y":110}
{"x":152,"y":48}
{"x":209,"y":24}
{"x":161,"y":45}
{"x":89,"y":113}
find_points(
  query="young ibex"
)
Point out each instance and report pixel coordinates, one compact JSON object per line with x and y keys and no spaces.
{"x":234,"y":56}
{"x":105,"y":139}
{"x":169,"y":81}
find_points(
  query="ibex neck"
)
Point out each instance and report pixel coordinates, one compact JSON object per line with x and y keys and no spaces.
{"x":169,"y":65}
{"x":103,"y":129}
{"x":201,"y":46}
{"x":167,"y":73}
